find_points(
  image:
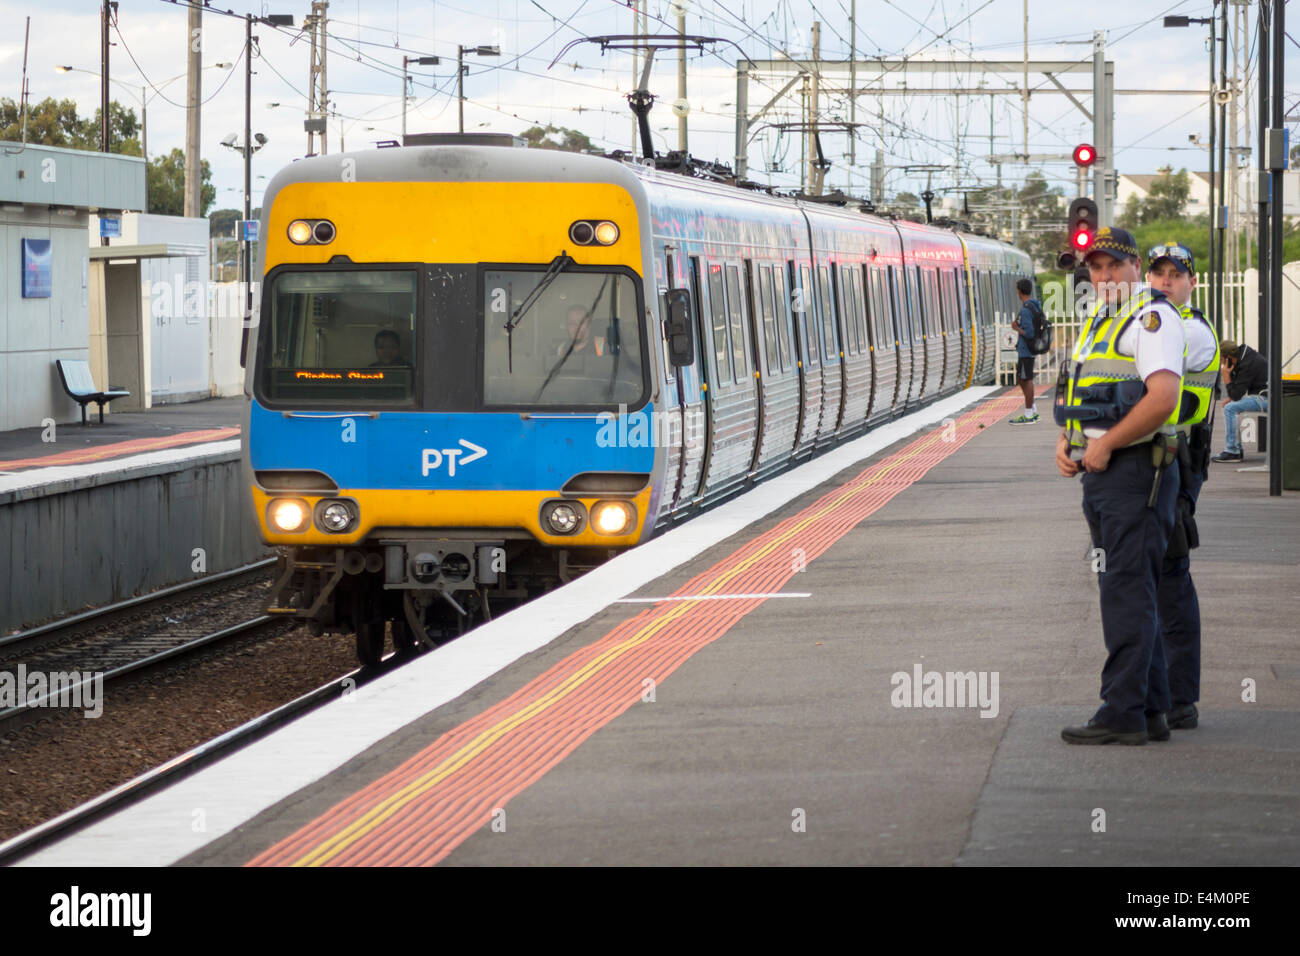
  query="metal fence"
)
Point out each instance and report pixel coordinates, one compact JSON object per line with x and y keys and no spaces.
{"x":1066,"y":326}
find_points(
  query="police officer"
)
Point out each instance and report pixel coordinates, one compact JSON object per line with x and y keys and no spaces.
{"x":1118,"y":401}
{"x":1172,"y":270}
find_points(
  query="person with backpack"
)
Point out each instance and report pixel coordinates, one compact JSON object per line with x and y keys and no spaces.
{"x":1027,"y":325}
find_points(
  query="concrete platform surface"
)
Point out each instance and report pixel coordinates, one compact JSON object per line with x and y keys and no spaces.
{"x":730,"y":726}
{"x":122,"y":434}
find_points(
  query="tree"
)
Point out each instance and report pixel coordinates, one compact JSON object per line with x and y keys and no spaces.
{"x":54,"y":122}
{"x":571,"y":141}
{"x":166,"y":185}
{"x":222,"y":221}
{"x":1166,"y":200}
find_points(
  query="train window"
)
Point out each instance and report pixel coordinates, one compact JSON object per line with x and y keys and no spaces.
{"x":577,"y":344}
{"x":801,"y":302}
{"x":342,"y":336}
{"x":936,"y":319}
{"x":735,"y":307}
{"x":880,"y":319}
{"x":780,"y":302}
{"x":769,"y":318}
{"x":857,"y":308}
{"x":718,"y":313}
{"x":956,"y":309}
{"x":826,"y":303}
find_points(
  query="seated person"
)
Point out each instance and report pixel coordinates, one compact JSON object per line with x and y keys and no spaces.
{"x":577,"y":327}
{"x":388,"y":349}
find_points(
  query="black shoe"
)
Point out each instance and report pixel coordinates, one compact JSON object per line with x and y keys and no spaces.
{"x":1094,"y":733}
{"x":1229,"y":456}
{"x":1157,"y":728}
{"x":1184,"y":717}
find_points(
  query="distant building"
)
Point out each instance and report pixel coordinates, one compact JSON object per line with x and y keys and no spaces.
{"x":1198,"y":195}
{"x":46,"y":282}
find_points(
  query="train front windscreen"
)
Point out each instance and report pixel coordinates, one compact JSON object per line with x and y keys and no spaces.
{"x":560,"y":339}
{"x":373,"y":338}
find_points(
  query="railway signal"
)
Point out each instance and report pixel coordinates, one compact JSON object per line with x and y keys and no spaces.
{"x":1084,"y":155}
{"x":1083,"y":224}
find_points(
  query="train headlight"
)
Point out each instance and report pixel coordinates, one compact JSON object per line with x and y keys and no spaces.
{"x":563,"y":517}
{"x":336,"y":516}
{"x":300,"y":231}
{"x":323,"y":231}
{"x":613,"y":517}
{"x":288,"y":515}
{"x":593,"y":232}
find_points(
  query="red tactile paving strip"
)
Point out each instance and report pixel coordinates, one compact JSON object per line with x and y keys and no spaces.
{"x":422,"y":810}
{"x":120,"y":449}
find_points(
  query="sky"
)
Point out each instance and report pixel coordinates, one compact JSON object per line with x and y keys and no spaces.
{"x":586,"y":89}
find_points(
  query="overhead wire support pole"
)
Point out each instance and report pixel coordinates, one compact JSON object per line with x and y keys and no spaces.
{"x":1277,"y":163}
{"x":1221,"y":210}
{"x":1211,"y":266}
{"x":193,"y":205}
{"x":1262,"y":183}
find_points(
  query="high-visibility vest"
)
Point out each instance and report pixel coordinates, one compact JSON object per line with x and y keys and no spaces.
{"x":1198,"y":384}
{"x":1102,"y":382}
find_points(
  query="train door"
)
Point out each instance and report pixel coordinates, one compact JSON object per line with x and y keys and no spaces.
{"x":902,"y":339}
{"x":804,"y":324}
{"x":700,"y":423}
{"x":910,"y":320}
{"x":729,"y":390}
{"x":832,"y":366}
{"x":684,"y":399}
{"x":856,"y":357}
{"x":884,"y":347}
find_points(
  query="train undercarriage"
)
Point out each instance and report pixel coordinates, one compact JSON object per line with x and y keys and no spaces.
{"x":418,"y":592}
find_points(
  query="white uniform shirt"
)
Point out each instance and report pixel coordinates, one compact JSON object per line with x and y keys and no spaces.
{"x":1200,"y":345}
{"x":1153,"y":350}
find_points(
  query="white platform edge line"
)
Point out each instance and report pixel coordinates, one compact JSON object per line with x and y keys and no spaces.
{"x":159,"y":831}
{"x":166,"y":456}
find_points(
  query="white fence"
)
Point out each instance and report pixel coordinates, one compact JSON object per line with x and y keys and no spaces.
{"x":1239,"y":312}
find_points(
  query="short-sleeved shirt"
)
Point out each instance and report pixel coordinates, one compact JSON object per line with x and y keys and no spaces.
{"x":1153,"y":350}
{"x":1027,"y":329}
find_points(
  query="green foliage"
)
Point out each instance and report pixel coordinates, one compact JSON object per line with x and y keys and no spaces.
{"x":221,"y":222}
{"x":1166,"y":200}
{"x":1040,"y":210}
{"x":166,"y":185}
{"x":570,"y":140}
{"x":54,"y":122}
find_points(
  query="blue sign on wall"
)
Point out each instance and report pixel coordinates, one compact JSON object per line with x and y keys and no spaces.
{"x":37,"y":271}
{"x":109,"y":227}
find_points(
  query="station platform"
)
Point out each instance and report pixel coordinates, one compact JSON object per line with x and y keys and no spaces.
{"x":747,"y":689}
{"x":122,"y":435}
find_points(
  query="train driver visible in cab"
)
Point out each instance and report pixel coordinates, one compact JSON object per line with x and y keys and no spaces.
{"x":578,"y":343}
{"x":388,"y":350}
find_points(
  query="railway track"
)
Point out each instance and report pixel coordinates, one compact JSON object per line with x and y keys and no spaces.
{"x":135,"y":638}
{"x":187,"y":763}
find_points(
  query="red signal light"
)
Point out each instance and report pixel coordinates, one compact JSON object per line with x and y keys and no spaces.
{"x":1084,"y":155}
{"x":1081,"y":239}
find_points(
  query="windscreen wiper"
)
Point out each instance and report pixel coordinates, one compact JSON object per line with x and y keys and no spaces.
{"x":558,"y":265}
{"x":572,"y":342}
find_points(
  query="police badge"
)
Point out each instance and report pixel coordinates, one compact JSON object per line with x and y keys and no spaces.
{"x":1150,"y":320}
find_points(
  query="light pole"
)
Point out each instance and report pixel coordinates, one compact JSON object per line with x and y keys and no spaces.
{"x":275,"y":20}
{"x":407,"y":61}
{"x":460,"y":76}
{"x":1210,"y":264}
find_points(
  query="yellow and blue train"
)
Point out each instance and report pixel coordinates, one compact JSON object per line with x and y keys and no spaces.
{"x":477,"y":371}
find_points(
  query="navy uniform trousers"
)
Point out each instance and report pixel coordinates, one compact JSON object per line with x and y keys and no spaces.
{"x":1180,"y":619}
{"x":1133,"y":539}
